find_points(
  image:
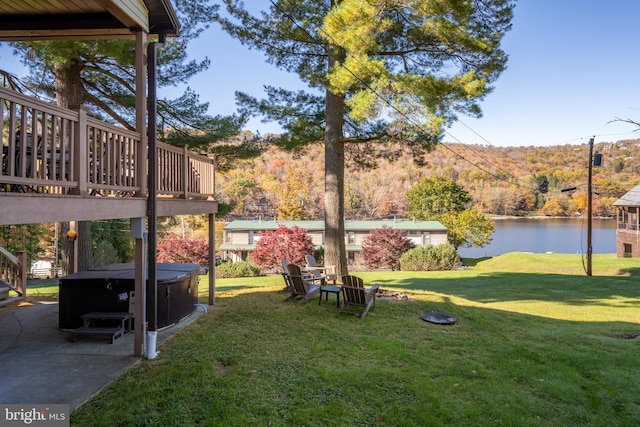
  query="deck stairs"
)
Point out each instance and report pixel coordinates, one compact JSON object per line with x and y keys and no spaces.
{"x":13,"y":277}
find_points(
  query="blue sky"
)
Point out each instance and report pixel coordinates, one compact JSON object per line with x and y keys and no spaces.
{"x":573,"y":68}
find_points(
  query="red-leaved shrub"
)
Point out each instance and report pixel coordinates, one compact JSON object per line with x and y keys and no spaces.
{"x":384,"y":246}
{"x":176,"y":249}
{"x":291,"y":244}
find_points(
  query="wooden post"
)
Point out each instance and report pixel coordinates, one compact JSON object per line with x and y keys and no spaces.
{"x":140,"y":175}
{"x":72,"y":236}
{"x":212,"y":259}
{"x":22,"y":273}
{"x":185,"y":171}
{"x":80,"y":151}
{"x":213,"y":176}
{"x":141,"y":113}
{"x":137,"y":232}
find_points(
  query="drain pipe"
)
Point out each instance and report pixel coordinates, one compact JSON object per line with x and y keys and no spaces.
{"x":152,"y":214}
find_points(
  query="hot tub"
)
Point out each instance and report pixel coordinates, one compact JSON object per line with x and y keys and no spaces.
{"x":111,"y":289}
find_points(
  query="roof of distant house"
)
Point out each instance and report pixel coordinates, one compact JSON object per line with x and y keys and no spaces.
{"x":630,"y":198}
{"x":408,"y":225}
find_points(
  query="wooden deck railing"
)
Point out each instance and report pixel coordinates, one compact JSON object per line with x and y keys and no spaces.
{"x":183,"y":173}
{"x":52,"y":150}
{"x":13,"y":271}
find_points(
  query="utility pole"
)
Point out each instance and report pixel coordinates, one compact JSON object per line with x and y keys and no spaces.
{"x":589,"y":208}
{"x":594,"y":160}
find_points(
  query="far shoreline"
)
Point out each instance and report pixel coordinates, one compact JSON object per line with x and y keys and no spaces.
{"x":537,"y":217}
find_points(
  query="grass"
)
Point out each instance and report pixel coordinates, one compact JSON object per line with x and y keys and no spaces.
{"x":44,"y":289}
{"x":537,"y":343}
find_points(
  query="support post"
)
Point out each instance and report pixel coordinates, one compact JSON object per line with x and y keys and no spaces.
{"x":138,"y":234}
{"x":138,"y":224}
{"x":186,"y":170}
{"x":22,"y":274}
{"x":152,"y":214}
{"x":72,"y":236}
{"x":589,"y":209}
{"x":212,"y":259}
{"x":80,"y":151}
{"x":141,"y":112}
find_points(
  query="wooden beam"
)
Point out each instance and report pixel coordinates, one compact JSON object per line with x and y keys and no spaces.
{"x":141,"y":108}
{"x":56,"y":22}
{"x":139,"y":284}
{"x":96,"y":34}
{"x":27,"y":208}
{"x":131,"y":13}
{"x":212,"y":259}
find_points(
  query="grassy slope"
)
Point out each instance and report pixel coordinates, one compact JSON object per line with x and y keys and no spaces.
{"x":537,"y":343}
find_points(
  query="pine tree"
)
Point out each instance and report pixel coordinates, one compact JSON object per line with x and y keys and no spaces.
{"x":100,"y":74}
{"x":378,"y":72}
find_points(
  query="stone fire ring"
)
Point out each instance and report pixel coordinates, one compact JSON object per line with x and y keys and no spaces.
{"x":439,"y":318}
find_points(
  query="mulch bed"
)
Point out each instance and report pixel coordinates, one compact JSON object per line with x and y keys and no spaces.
{"x":627,"y":335}
{"x":392,"y":295}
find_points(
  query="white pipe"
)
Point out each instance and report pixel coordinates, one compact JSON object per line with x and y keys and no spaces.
{"x":151,"y":345}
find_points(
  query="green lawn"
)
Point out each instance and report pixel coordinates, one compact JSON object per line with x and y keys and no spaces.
{"x":45,"y":289}
{"x":538,"y":343}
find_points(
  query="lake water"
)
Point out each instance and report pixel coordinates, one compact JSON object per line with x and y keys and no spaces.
{"x":567,"y":236}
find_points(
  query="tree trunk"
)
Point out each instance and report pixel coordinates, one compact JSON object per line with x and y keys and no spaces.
{"x":335,"y":251}
{"x":69,"y":88}
{"x":70,"y":91}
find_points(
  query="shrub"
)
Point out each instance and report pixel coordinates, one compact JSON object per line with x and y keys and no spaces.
{"x":430,"y":258}
{"x":384,"y":246}
{"x":176,"y":249}
{"x":227,"y":270}
{"x":291,"y":244}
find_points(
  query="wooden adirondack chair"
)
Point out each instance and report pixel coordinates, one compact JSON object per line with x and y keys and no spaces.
{"x":355,"y":298}
{"x":318,"y":270}
{"x":301,"y":286}
{"x":285,"y":274}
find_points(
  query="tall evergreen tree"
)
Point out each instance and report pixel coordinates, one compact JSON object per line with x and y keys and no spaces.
{"x":100,"y":74}
{"x":390,"y":72}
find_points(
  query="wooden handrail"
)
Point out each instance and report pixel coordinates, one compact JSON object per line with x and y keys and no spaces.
{"x":53,"y":150}
{"x":182,"y":173}
{"x":13,"y":271}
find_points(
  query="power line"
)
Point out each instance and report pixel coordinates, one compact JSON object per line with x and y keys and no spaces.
{"x":408,"y":119}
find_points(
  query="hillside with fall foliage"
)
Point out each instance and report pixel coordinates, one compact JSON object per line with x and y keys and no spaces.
{"x":501,"y":181}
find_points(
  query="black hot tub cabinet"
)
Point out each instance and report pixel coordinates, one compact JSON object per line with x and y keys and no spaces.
{"x":110,"y":288}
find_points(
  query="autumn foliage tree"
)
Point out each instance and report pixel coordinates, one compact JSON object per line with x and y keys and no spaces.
{"x":384,"y":246}
{"x":294,"y":194}
{"x":468,"y":228}
{"x":434,"y":196}
{"x":291,"y":244}
{"x":441,"y":199}
{"x":176,"y":249}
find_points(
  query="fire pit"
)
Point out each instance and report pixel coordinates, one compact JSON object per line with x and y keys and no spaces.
{"x":391,"y":295}
{"x":439,"y":318}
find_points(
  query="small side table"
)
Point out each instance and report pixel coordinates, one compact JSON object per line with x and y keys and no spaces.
{"x":330,"y":289}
